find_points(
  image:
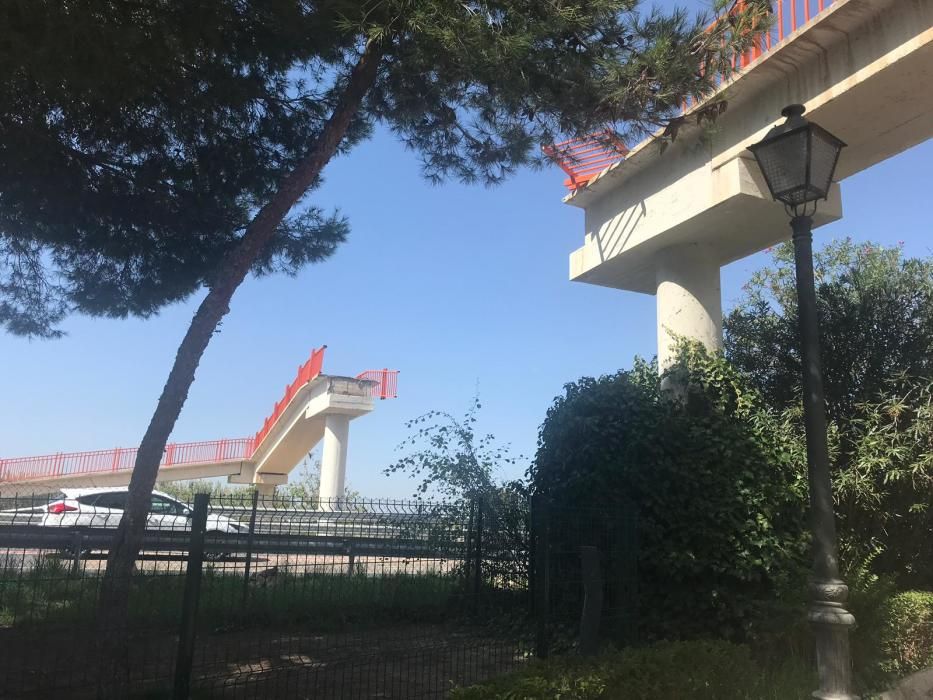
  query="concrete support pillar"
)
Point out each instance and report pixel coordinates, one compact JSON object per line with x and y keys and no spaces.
{"x":689,"y":299}
{"x":334,"y":458}
{"x":265,"y":490}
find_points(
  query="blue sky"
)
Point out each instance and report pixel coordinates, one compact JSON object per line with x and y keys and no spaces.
{"x":458,"y":287}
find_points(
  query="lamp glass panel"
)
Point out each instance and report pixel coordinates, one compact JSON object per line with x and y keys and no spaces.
{"x":824,"y":154}
{"x":798,"y":195}
{"x":784,"y":162}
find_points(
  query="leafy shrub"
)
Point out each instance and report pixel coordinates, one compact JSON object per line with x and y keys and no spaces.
{"x":714,"y":477}
{"x":459,"y":468}
{"x":876,"y":333}
{"x":699,"y":670}
{"x":883,"y":483}
{"x":905,"y":638}
{"x":876,"y":323}
{"x":894,"y":632}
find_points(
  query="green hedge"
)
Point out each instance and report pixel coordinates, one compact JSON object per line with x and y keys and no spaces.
{"x":905,"y":637}
{"x":715,"y":480}
{"x":894,"y":638}
{"x":698,"y":670}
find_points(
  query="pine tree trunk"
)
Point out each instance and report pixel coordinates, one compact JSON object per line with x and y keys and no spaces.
{"x":113,"y":602}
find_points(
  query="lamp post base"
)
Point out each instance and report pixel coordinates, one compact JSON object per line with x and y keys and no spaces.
{"x":831,"y":624}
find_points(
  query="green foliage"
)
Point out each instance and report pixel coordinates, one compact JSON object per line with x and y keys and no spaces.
{"x":185,"y":491}
{"x":700,"y":670}
{"x":906,"y":637}
{"x":506,"y":537}
{"x":894,"y":635}
{"x":884,"y":484}
{"x":452,"y":461}
{"x":876,"y":324}
{"x":869,"y":596}
{"x":48,"y":594}
{"x":713,"y":476}
{"x":461,"y":469}
{"x":306,"y":484}
{"x":477,"y":87}
{"x":45,"y":587}
{"x":137,"y":140}
{"x":876,"y":316}
{"x":330,"y":601}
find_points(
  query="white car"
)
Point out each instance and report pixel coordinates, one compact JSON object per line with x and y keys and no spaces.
{"x":103,"y":507}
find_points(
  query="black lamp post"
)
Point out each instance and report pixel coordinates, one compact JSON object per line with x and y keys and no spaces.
{"x":798,"y":160}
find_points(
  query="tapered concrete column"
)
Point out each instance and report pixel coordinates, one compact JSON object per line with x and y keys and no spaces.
{"x":689,"y":299}
{"x":265,"y":490}
{"x":334,"y":457}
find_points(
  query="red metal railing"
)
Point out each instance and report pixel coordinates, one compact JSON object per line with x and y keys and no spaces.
{"x":102,"y":461}
{"x":387,"y":388}
{"x":788,"y":16}
{"x":181,"y":453}
{"x":583,"y":159}
{"x":306,"y":372}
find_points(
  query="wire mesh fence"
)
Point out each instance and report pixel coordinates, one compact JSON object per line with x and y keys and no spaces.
{"x":242,"y":596}
{"x":584,"y":577}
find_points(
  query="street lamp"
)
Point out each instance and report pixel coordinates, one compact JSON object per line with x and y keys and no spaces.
{"x":798,"y":159}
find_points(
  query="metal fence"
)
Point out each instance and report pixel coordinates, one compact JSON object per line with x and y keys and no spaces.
{"x":239,"y":596}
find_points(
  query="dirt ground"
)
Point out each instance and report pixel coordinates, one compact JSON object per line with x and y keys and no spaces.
{"x":403,"y":661}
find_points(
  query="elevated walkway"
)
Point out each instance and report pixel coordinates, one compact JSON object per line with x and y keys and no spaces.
{"x":663,"y":221}
{"x":315,"y":407}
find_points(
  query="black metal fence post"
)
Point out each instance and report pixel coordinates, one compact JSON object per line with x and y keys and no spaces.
{"x":468,"y":554}
{"x":249,"y":546}
{"x":631,"y":567}
{"x":542,"y":575}
{"x":189,"y":609}
{"x":623,"y":561}
{"x":530,"y":553}
{"x":592,"y":600}
{"x":478,"y":554}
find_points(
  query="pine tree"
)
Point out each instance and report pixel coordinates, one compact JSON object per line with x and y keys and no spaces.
{"x":137,"y":141}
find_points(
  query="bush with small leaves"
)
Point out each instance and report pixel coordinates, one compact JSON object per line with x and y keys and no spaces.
{"x":905,"y":638}
{"x":713,"y":476}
